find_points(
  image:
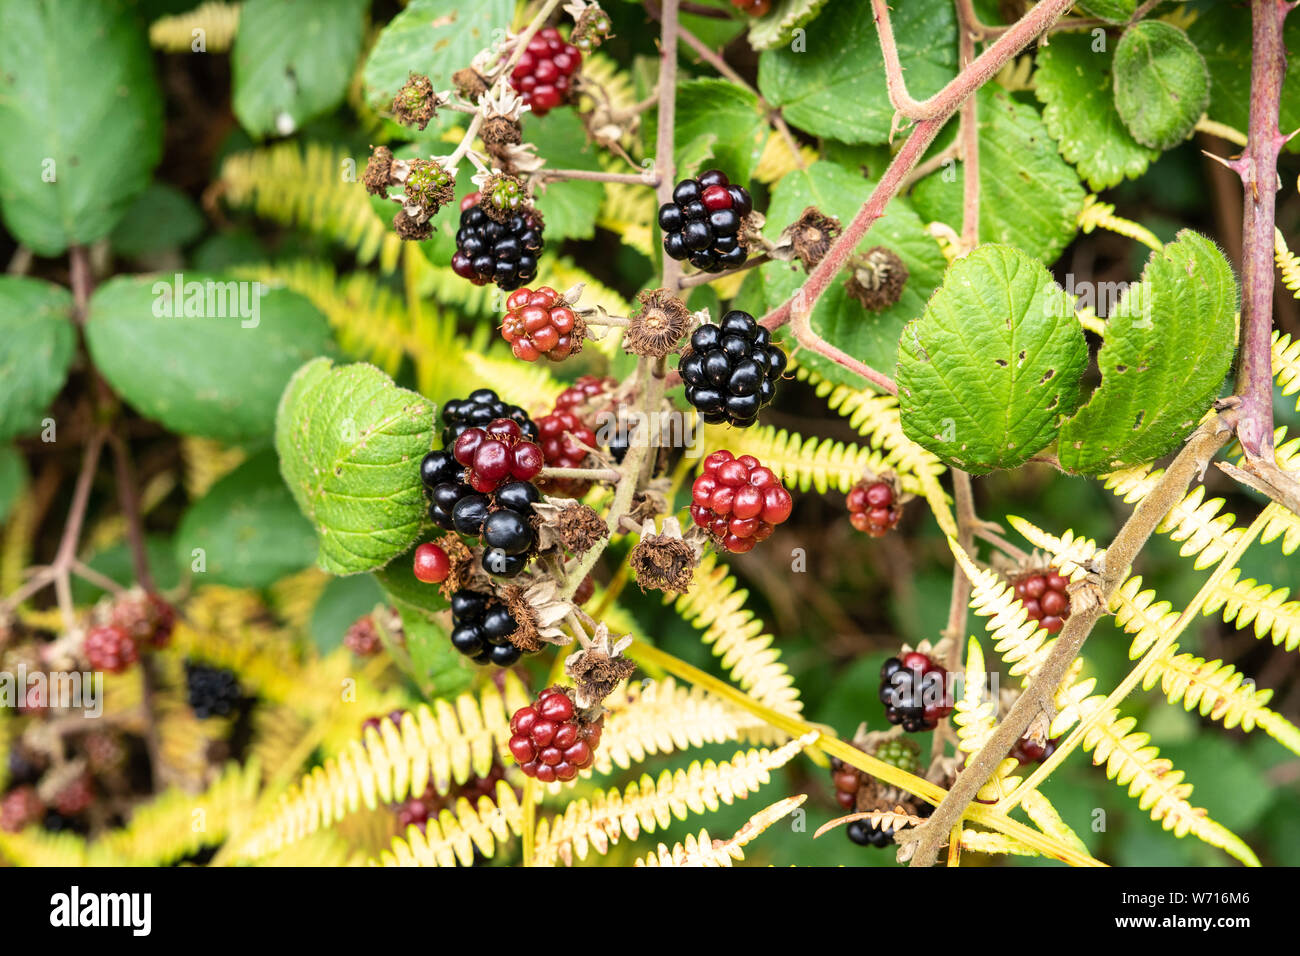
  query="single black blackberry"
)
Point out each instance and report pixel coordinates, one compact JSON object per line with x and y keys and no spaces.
{"x":476,"y":411}
{"x":213,"y":691}
{"x":731,"y":369}
{"x":481,"y":628}
{"x":508,"y":535}
{"x":914,"y":690}
{"x":702,"y":223}
{"x":501,"y":252}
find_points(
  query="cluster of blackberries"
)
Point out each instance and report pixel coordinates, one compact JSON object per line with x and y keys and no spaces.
{"x":914,"y":690}
{"x":501,"y":252}
{"x":563,"y":435}
{"x":543,"y":74}
{"x":702,"y":223}
{"x":481,"y":407}
{"x":731,"y":369}
{"x":110,"y":648}
{"x":872,"y":508}
{"x":212,"y":691}
{"x":550,"y":740}
{"x":1045,"y":598}
{"x":481,"y":628}
{"x":540,"y":323}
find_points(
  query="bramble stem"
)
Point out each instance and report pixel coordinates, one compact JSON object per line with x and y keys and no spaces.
{"x":596,"y":176}
{"x":704,"y":278}
{"x":1258,"y":170}
{"x":1087,"y":608}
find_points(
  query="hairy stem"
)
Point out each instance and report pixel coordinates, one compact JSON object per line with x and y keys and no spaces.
{"x":1258,"y":170}
{"x":1087,"y":608}
{"x":648,"y":178}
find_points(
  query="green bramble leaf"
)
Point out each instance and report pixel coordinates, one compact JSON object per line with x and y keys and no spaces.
{"x":439,"y":667}
{"x":1073,"y":81}
{"x":350,"y":444}
{"x":730,"y":116}
{"x":433,"y":37}
{"x":570,"y":207}
{"x":292,"y":61}
{"x":80,"y":120}
{"x":831,"y":80}
{"x":871,"y":337}
{"x":1161,"y":83}
{"x":248,"y":527}
{"x":1168,"y":347}
{"x":1030,"y":197}
{"x":37,"y":342}
{"x":987,"y":372}
{"x":1222,"y":33}
{"x":1116,"y":11}
{"x":201,"y":354}
{"x":161,"y":218}
{"x":777,"y":27}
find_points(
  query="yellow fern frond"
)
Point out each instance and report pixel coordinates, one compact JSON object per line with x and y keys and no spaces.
{"x":294,"y":597}
{"x":323,"y":849}
{"x":1017,"y":74}
{"x":876,"y":417}
{"x":649,"y":803}
{"x":1197,"y":523}
{"x":35,"y":846}
{"x":1140,"y":614}
{"x":1244,"y":602}
{"x":982,"y":841}
{"x":1048,"y":820}
{"x":715,"y":606}
{"x":1286,"y":359}
{"x":453,"y":837}
{"x":178,"y":34}
{"x":820,"y":464}
{"x":628,"y":211}
{"x":778,"y":159}
{"x":1131,"y":761}
{"x":703,"y":850}
{"x":659,"y":717}
{"x":438,"y":743}
{"x":976,"y":717}
{"x":1289,"y":265}
{"x":307,"y":186}
{"x":206,"y":462}
{"x":1097,"y":214}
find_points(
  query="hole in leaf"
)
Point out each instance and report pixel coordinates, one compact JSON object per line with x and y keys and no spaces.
{"x":1001,"y":363}
{"x":1121,"y":368}
{"x":1137,"y":423}
{"x":1046,"y":375}
{"x":1021,"y":357}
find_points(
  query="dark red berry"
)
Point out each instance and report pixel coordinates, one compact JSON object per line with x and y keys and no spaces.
{"x":738,"y":500}
{"x":872,"y":507}
{"x":550,"y":740}
{"x":362,"y":638}
{"x":110,"y":649}
{"x":431,"y":564}
{"x":20,"y":807}
{"x":543,"y":75}
{"x":1045,"y":598}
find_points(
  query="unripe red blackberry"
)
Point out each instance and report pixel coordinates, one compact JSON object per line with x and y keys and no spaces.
{"x":20,"y":807}
{"x":738,"y":500}
{"x":1045,"y":598}
{"x":431,"y":564}
{"x":110,"y":648}
{"x":361,"y":637}
{"x":846,"y":781}
{"x":873,"y":507}
{"x":540,"y":323}
{"x":561,"y":433}
{"x":550,"y":739}
{"x":146,"y":617}
{"x":703,"y":222}
{"x":543,"y":75}
{"x":1028,"y":750}
{"x":76,"y":796}
{"x":914,"y":690}
{"x":755,"y":8}
{"x":731,"y":369}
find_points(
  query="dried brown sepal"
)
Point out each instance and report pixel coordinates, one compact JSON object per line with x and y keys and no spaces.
{"x":469,"y":83}
{"x":416,"y":102}
{"x":379,"y":171}
{"x":664,"y":561}
{"x":599,"y":668}
{"x":658,"y":325}
{"x":499,"y":132}
{"x":876,"y":278}
{"x":538,"y":613}
{"x":464,"y":571}
{"x":650,"y":502}
{"x":571,"y":525}
{"x":811,"y":235}
{"x":408,"y":228}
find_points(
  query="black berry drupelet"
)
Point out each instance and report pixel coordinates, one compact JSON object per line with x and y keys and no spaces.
{"x":731,"y":369}
{"x":481,"y":407}
{"x":702,"y":223}
{"x":501,"y":252}
{"x":914,"y":690}
{"x":481,"y":628}
{"x":213,"y":691}
{"x":509,"y":538}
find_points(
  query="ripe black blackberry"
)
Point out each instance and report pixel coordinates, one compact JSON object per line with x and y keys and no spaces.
{"x":212,"y":691}
{"x":481,"y":407}
{"x":914,"y":690}
{"x":501,"y":252}
{"x":702,"y":224}
{"x":481,"y":628}
{"x":731,"y":369}
{"x":508,"y":535}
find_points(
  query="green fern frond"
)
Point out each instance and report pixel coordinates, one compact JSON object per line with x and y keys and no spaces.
{"x":809,"y":463}
{"x":175,"y":34}
{"x":1096,"y":214}
{"x":1244,"y":602}
{"x":628,"y":210}
{"x":441,"y":743}
{"x":715,"y":606}
{"x":303,"y":185}
{"x":648,"y":803}
{"x":660,"y":717}
{"x":703,"y":850}
{"x":876,"y":417}
{"x":453,"y":837}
